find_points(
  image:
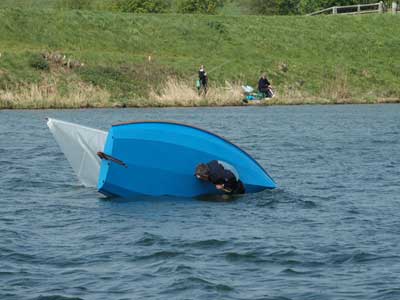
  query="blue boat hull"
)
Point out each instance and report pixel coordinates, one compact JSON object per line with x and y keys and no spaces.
{"x":160,"y":159}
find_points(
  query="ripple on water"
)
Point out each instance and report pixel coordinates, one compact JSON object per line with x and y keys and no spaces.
{"x":359,"y":257}
{"x":19,"y":257}
{"x":388,"y":294}
{"x":149,"y":239}
{"x":280,"y":196}
{"x":175,"y":270}
{"x":246,"y":257}
{"x":266,"y":297}
{"x":158,"y":255}
{"x":205,"y":244}
{"x":56,"y":297}
{"x":294,"y":272}
{"x":194,"y":282}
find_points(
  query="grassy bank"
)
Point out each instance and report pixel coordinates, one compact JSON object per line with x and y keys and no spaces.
{"x":53,"y":58}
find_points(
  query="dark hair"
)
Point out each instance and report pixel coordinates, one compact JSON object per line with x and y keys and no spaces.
{"x":202,"y":170}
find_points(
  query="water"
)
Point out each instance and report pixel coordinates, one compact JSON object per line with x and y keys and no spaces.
{"x":331,"y":231}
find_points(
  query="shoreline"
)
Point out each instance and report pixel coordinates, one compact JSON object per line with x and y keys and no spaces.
{"x":277,"y":102}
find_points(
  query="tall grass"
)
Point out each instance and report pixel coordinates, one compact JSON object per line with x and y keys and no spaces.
{"x":49,"y":95}
{"x":175,"y":92}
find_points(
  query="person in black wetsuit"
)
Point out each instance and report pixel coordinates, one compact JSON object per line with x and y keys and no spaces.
{"x":203,"y":79}
{"x":264,"y":85}
{"x":221,"y":176}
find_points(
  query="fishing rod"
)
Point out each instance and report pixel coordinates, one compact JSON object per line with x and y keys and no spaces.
{"x":215,"y":68}
{"x":219,"y":66}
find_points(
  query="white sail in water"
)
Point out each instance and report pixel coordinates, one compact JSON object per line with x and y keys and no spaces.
{"x":80,"y":145}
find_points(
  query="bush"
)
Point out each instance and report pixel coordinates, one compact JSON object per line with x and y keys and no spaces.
{"x":142,"y":6}
{"x":199,"y":6}
{"x":75,"y":4}
{"x":38,"y":62}
{"x":217,"y":26}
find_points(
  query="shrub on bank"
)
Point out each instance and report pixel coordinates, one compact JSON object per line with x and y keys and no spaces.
{"x":38,"y":62}
{"x":75,"y":4}
{"x":142,"y":6}
{"x":199,"y":6}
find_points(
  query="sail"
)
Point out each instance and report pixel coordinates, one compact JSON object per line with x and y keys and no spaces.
{"x":80,"y":145}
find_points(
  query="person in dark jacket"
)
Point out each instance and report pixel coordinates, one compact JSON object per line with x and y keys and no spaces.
{"x":264,"y":86}
{"x":203,"y":79}
{"x":222,"y":175}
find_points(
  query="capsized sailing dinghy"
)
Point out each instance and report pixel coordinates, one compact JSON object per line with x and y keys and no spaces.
{"x":152,"y":158}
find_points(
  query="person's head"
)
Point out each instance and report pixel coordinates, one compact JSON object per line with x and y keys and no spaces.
{"x":263,"y":75}
{"x":202,"y":172}
{"x":202,"y":67}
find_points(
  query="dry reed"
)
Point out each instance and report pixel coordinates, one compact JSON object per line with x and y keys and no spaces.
{"x":181,"y":93}
{"x":49,"y":94}
{"x":338,"y":89}
{"x":173,"y":93}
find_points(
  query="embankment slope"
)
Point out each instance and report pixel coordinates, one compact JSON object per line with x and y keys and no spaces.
{"x":120,"y":58}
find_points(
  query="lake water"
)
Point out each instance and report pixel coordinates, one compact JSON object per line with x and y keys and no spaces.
{"x":331,"y":230}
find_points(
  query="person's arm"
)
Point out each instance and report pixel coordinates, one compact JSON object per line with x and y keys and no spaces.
{"x":219,"y":186}
{"x":223,"y":188}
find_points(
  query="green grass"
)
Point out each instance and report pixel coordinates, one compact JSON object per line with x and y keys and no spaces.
{"x":45,"y":4}
{"x":28,"y":3}
{"x":322,"y":54}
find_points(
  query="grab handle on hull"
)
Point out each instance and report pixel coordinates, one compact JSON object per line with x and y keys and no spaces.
{"x":102,"y":155}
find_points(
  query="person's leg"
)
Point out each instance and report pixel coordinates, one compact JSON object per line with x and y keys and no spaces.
{"x":203,"y":89}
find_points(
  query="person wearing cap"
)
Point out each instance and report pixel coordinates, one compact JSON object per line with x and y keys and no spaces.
{"x":203,"y":80}
{"x":222,"y":175}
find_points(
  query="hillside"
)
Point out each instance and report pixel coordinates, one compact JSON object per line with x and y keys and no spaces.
{"x":308,"y":59}
{"x":46,"y":4}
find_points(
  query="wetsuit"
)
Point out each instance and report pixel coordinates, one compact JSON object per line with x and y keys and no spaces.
{"x":219,"y":175}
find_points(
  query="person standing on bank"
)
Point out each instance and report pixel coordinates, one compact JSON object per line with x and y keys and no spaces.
{"x":203,"y":80}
